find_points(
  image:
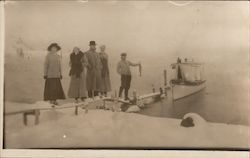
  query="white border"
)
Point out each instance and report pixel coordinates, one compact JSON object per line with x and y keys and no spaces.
{"x":2,"y":39}
{"x":96,"y":153}
{"x":124,"y":154}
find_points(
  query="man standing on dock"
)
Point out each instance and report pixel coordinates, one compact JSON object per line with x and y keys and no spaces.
{"x":94,"y":68}
{"x":123,"y":68}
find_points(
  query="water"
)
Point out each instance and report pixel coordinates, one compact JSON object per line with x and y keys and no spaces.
{"x":207,"y":103}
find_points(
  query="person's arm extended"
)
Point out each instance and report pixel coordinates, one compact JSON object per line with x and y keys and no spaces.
{"x":134,"y":64}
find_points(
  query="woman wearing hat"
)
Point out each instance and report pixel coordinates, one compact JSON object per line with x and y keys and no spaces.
{"x":105,"y":79}
{"x":77,"y":87}
{"x":53,"y":74}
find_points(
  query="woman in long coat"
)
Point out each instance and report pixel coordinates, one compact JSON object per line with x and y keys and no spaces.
{"x":77,"y":87}
{"x":105,"y":78}
{"x":53,"y":74}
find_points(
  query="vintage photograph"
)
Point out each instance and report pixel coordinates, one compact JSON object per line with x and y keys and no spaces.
{"x":126,"y":75}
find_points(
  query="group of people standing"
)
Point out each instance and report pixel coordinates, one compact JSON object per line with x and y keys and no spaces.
{"x":89,"y":74}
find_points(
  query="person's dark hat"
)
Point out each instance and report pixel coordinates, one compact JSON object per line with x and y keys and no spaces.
{"x":91,"y":43}
{"x":124,"y":54}
{"x":53,"y":45}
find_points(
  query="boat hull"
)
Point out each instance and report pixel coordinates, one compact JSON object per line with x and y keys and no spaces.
{"x":181,"y":91}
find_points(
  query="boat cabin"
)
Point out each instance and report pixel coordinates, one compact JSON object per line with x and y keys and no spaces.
{"x":188,"y":73}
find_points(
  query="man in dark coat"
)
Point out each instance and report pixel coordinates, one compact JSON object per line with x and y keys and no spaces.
{"x":94,"y":68}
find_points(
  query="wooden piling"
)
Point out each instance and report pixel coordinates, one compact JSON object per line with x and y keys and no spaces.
{"x":25,"y":119}
{"x":153,"y":88}
{"x":104,"y":104}
{"x":161,"y":90}
{"x":76,"y":110}
{"x":165,"y":77}
{"x":37,"y":113}
{"x":172,"y":90}
{"x":134,"y":97}
{"x":165,"y":81}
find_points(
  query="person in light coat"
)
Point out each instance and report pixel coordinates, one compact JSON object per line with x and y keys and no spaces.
{"x":53,"y":74}
{"x":105,"y":77}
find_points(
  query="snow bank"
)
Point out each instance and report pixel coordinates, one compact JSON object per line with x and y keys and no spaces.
{"x":100,"y":128}
{"x":198,"y":121}
{"x":133,"y":108}
{"x":42,"y":103}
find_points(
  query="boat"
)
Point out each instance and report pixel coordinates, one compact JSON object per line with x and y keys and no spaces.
{"x":187,"y":80}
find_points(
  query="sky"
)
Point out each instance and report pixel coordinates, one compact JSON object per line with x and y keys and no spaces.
{"x":153,"y":32}
{"x":132,"y":24}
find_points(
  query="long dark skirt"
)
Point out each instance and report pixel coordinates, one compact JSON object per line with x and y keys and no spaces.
{"x":53,"y":89}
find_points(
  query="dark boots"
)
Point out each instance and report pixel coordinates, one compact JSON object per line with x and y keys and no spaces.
{"x":125,"y":93}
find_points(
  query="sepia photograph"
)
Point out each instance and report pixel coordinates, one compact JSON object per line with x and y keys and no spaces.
{"x":130,"y":75}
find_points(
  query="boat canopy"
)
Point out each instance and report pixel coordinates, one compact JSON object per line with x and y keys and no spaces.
{"x":189,"y":72}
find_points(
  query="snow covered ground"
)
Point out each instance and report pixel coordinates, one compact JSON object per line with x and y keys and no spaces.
{"x":103,"y":129}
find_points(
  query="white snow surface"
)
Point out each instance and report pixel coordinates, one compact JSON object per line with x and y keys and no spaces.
{"x":100,"y":128}
{"x":133,"y":108}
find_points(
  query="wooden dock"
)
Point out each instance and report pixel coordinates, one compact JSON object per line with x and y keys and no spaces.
{"x":34,"y":109}
{"x":139,"y":101}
